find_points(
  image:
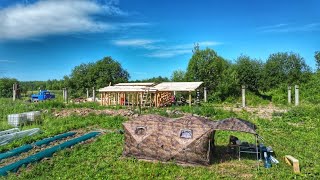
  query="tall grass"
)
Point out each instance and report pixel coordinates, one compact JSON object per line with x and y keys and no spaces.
{"x":296,"y":133}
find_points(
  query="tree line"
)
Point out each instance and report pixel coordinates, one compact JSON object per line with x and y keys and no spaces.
{"x":223,"y":78}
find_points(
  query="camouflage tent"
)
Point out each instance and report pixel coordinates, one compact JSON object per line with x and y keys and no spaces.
{"x":235,"y":124}
{"x":185,"y":140}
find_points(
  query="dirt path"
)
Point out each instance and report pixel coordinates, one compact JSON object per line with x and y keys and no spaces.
{"x":87,"y":111}
{"x":266,"y":112}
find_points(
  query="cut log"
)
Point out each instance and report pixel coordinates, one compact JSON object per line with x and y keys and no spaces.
{"x":292,"y":162}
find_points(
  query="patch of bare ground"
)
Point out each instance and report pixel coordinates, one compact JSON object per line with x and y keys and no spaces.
{"x":87,"y":111}
{"x":231,"y":169}
{"x":265,"y":112}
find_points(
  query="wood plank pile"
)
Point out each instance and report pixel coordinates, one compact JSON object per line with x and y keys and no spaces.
{"x":164,"y":98}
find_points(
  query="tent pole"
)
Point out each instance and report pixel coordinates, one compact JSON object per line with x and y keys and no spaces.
{"x":256,"y":138}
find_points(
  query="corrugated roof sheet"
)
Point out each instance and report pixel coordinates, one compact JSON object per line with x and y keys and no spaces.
{"x":165,"y":86}
{"x":136,"y":84}
{"x":126,"y":89}
{"x":178,"y":86}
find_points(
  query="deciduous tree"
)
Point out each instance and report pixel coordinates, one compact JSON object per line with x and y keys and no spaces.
{"x":317,"y":57}
{"x":288,"y":68}
{"x":249,"y":72}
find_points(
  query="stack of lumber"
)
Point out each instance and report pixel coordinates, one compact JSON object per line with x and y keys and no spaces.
{"x":164,"y":98}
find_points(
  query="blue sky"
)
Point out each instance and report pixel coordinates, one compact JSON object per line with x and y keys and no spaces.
{"x":42,"y":40}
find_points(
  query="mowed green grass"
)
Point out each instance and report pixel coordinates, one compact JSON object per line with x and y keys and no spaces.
{"x":295,"y":133}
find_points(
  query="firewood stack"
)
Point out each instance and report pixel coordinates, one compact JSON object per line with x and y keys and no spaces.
{"x":164,"y":98}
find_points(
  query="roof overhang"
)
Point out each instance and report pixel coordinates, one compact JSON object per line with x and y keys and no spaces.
{"x":178,"y":86}
{"x":127,"y":89}
{"x":136,"y":84}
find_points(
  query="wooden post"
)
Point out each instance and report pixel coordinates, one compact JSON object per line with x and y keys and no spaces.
{"x":132,"y":100}
{"x":137,"y":98}
{"x":289,"y":94}
{"x":296,"y":95}
{"x":155,"y":99}
{"x":87,"y":93}
{"x":141,"y":99}
{"x":205,"y":94}
{"x":63,"y":94}
{"x":93,"y":94}
{"x":190,"y":98}
{"x":66,"y":95}
{"x":109,"y":99}
{"x":243,"y":87}
{"x":198,"y":97}
{"x":293,"y":162}
{"x":14,"y":92}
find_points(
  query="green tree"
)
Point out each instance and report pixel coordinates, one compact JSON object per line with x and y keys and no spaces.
{"x":207,"y":66}
{"x":98,"y":75}
{"x":288,"y":68}
{"x":249,"y":72}
{"x":317,"y":57}
{"x":178,"y":76}
{"x":6,"y":87}
{"x":158,"y":79}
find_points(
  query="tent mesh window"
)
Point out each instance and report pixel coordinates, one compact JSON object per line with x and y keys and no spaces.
{"x":140,"y":130}
{"x":186,"y":133}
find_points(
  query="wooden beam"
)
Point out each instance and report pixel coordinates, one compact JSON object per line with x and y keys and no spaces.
{"x":292,"y":162}
{"x":140,"y":99}
{"x":156,"y":99}
{"x":190,"y":98}
{"x":109,"y":99}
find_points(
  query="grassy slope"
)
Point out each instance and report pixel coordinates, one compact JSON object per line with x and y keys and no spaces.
{"x":102,"y":158}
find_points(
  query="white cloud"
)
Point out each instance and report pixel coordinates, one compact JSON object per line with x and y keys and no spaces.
{"x":49,"y":17}
{"x":159,"y":49}
{"x":133,"y":42}
{"x":169,"y":53}
{"x":138,"y":43}
{"x":6,"y":61}
{"x":285,"y":28}
{"x":273,"y":26}
{"x":180,"y":49}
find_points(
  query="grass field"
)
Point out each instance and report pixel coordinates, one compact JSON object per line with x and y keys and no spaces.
{"x":296,"y":133}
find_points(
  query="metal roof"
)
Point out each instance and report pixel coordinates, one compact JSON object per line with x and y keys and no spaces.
{"x":126,"y":89}
{"x":136,"y":84}
{"x":178,"y":86}
{"x":140,"y":87}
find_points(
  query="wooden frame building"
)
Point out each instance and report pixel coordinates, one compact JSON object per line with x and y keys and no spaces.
{"x":145,"y":94}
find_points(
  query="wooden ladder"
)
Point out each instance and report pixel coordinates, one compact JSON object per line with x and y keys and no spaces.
{"x":145,"y":97}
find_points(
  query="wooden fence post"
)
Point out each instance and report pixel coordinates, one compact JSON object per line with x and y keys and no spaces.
{"x":190,"y":98}
{"x":66,"y":92}
{"x":296,"y":95}
{"x":289,"y":94}
{"x":94,"y":94}
{"x":205,"y":94}
{"x":14,"y":92}
{"x":87,"y":92}
{"x":243,"y":95}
